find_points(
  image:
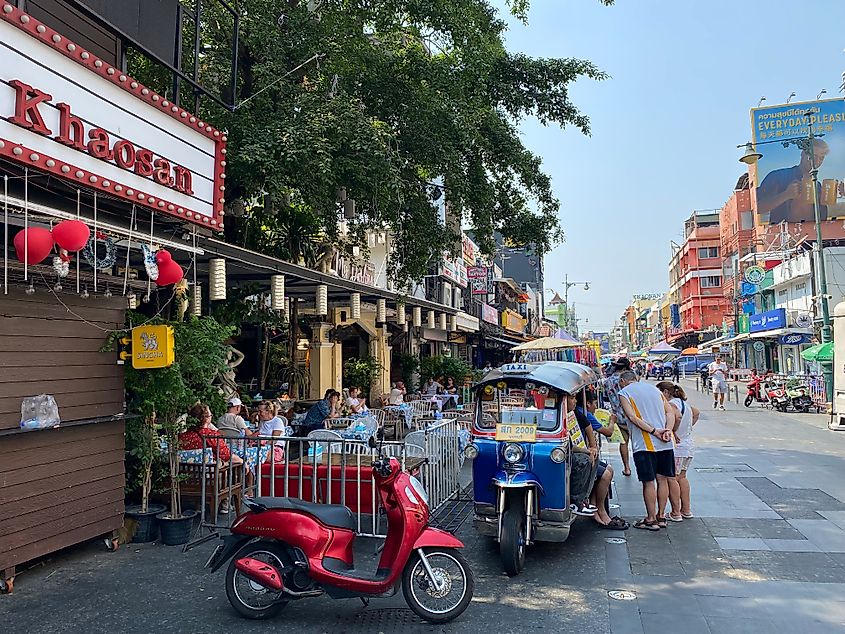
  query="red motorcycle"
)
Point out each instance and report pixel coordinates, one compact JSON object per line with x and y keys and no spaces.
{"x":755,"y":391}
{"x":286,"y":549}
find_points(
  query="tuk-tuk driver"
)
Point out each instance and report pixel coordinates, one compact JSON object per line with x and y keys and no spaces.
{"x":584,"y":465}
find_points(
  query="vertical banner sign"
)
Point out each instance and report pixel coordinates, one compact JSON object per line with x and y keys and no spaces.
{"x":478,"y":279}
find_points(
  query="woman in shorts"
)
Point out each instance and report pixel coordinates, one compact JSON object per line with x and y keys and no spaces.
{"x":684,"y":448}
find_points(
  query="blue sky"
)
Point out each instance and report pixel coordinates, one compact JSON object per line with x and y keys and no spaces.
{"x":665,"y":125}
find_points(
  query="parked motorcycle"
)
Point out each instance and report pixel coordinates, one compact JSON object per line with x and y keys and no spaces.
{"x":755,"y":391}
{"x":799,"y":396}
{"x":776,"y":393}
{"x":286,"y":549}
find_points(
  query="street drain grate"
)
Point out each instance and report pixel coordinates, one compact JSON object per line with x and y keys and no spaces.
{"x":622,"y":595}
{"x":616,"y":540}
{"x":738,"y":467}
{"x":384,"y":619}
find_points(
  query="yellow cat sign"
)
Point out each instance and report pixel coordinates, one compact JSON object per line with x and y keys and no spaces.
{"x":152,"y":347}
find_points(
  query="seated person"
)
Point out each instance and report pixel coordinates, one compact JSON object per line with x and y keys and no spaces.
{"x":321,"y":412}
{"x":431,"y":388}
{"x":584,"y":464}
{"x":397,"y":394}
{"x":450,"y":389}
{"x":231,"y":424}
{"x":199,"y":426}
{"x":355,"y":403}
{"x":604,"y":472}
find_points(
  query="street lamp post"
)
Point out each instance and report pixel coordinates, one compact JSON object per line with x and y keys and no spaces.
{"x":566,"y":286}
{"x":751,"y":157}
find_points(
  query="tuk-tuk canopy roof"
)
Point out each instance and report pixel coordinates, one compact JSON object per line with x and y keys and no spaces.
{"x":563,"y":375}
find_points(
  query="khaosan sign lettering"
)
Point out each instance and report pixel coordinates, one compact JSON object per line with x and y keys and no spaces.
{"x":784,"y":184}
{"x":65,"y":111}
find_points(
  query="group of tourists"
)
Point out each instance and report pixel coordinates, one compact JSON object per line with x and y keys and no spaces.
{"x":657,"y":422}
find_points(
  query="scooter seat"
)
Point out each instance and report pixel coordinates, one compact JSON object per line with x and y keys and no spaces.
{"x":336,"y":515}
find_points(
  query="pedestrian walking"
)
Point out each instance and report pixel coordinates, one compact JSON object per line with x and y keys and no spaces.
{"x":718,"y":373}
{"x":611,"y":389}
{"x":651,"y":418}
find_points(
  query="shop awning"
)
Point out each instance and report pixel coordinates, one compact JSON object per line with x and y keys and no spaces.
{"x":504,"y":339}
{"x":777,"y":332}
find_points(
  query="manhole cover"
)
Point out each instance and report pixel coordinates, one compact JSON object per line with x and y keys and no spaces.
{"x":622,"y":595}
{"x":615,"y":540}
{"x":384,"y":618}
{"x":727,"y":468}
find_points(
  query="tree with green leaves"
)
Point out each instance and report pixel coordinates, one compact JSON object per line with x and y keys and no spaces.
{"x":380,"y":100}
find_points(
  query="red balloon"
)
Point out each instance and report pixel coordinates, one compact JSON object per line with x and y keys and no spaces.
{"x":37,"y":247}
{"x":71,"y":235}
{"x":162,"y":256}
{"x":169,"y":273}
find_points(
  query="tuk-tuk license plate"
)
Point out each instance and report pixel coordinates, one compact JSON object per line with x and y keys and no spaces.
{"x":516,"y":433}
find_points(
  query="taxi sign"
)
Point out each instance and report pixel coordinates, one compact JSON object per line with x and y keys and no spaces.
{"x":515,"y":368}
{"x":152,"y":347}
{"x":514,"y":432}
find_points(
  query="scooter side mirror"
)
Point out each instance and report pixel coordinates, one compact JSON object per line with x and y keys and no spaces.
{"x":371,"y":442}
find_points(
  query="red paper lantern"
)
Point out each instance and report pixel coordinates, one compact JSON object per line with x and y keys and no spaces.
{"x":163,"y":256}
{"x":71,"y":235}
{"x":39,"y":243}
{"x":169,"y":273}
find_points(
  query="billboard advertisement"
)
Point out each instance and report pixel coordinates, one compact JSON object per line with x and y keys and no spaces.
{"x":784,"y":184}
{"x":481,"y":280}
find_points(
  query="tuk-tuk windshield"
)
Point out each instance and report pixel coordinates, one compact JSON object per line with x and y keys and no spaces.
{"x":533,"y":406}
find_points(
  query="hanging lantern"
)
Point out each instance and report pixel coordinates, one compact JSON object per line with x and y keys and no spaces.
{"x":444,"y":318}
{"x":169,"y":272}
{"x":216,"y":279}
{"x":381,"y":311}
{"x":355,"y":304}
{"x":287,"y":308}
{"x":33,"y":244}
{"x":417,"y":317}
{"x":277,"y":292}
{"x":431,"y":320}
{"x":322,"y":300}
{"x":453,"y":323}
{"x":196,"y":300}
{"x":400,"y":314}
{"x":405,"y":327}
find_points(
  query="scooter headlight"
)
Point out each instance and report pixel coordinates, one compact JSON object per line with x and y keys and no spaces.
{"x":513,"y":453}
{"x":471,"y":451}
{"x":557,"y":455}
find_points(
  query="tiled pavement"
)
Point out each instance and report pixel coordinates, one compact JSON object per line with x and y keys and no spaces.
{"x":766,"y":550}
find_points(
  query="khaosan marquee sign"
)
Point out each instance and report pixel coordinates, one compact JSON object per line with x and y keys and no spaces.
{"x":65,"y":111}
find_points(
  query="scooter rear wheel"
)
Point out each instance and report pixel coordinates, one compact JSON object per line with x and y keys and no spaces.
{"x":748,"y":400}
{"x":452,"y":571}
{"x":250,"y":599}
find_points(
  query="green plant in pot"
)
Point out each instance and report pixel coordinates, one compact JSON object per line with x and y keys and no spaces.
{"x":143,"y":456}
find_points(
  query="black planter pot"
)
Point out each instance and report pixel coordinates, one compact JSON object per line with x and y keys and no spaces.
{"x":147,"y":530}
{"x":176,"y":531}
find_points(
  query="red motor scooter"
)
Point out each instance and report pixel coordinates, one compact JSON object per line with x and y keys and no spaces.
{"x":755,"y":391}
{"x":285,"y":549}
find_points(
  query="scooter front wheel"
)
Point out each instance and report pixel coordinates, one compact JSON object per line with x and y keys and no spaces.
{"x":445,"y":597}
{"x":249,"y":598}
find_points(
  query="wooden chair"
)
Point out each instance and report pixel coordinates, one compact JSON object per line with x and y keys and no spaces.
{"x":222,"y":481}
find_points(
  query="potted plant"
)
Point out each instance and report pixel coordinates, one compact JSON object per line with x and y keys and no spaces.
{"x":143,"y":452}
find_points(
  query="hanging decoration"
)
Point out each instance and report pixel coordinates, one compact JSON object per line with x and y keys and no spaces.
{"x":443,"y":321}
{"x":431,"y":320}
{"x":277,"y":292}
{"x":216,"y":279}
{"x":169,"y":271}
{"x":196,"y":300}
{"x":355,"y":305}
{"x":33,"y":244}
{"x":102,"y":243}
{"x":453,"y":323}
{"x":400,"y":314}
{"x":61,"y":263}
{"x":417,"y":316}
{"x":71,"y":235}
{"x":150,"y":263}
{"x":322,"y":304}
{"x":381,"y":311}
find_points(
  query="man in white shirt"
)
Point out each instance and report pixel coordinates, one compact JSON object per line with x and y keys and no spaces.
{"x":397,"y":394}
{"x":718,"y":371}
{"x":650,"y":420}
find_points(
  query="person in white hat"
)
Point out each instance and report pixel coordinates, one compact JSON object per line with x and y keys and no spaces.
{"x":231,"y":423}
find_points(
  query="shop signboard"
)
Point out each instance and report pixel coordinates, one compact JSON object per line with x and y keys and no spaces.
{"x":489,"y":314}
{"x":794,"y":339}
{"x":513,"y":321}
{"x":768,"y":320}
{"x":152,"y":347}
{"x":754,"y":275}
{"x":469,"y":249}
{"x":481,"y":280}
{"x":454,"y":271}
{"x":65,"y":112}
{"x":784,"y":186}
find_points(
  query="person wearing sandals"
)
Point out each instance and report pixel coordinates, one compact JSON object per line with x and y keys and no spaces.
{"x":684,"y":448}
{"x":584,"y":464}
{"x":612,"y":387}
{"x":651,"y":419}
{"x":604,"y":472}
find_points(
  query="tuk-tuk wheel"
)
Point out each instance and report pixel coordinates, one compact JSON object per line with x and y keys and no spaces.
{"x":512,"y":542}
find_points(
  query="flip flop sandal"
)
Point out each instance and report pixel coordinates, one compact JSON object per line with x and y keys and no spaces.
{"x":616,"y":524}
{"x":688,"y":516}
{"x":675,"y":519}
{"x":626,"y":473}
{"x":645,"y":525}
{"x":661,"y":522}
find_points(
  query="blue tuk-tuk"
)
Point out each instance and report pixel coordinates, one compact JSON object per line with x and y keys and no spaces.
{"x":520,"y":451}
